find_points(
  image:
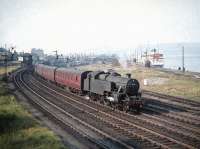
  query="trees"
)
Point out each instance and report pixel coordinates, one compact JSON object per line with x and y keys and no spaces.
{"x":115,"y":62}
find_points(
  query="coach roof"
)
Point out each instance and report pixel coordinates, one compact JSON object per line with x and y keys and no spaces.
{"x":46,"y":66}
{"x":71,"y":70}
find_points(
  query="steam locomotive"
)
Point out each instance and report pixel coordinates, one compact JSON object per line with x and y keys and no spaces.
{"x":108,"y":88}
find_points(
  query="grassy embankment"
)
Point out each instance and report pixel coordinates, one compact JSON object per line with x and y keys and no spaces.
{"x":9,"y":69}
{"x":18,"y":129}
{"x":176,"y":85}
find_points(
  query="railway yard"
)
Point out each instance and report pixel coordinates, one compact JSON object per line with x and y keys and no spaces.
{"x":164,"y":122}
{"x":99,"y":74}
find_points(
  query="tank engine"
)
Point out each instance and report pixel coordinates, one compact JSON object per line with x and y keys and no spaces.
{"x":110,"y":88}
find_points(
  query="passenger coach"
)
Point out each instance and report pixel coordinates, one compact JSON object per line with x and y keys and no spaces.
{"x":46,"y":72}
{"x":71,"y":78}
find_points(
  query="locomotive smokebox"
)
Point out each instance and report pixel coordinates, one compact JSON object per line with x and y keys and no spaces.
{"x":128,"y":75}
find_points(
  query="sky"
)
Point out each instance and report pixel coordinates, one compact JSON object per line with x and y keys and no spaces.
{"x":82,"y":25}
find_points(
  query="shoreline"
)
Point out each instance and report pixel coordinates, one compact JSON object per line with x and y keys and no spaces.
{"x":176,"y":72}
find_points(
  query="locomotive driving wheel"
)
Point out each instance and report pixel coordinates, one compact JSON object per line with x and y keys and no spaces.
{"x":125,"y":107}
{"x":102,"y":101}
{"x":138,"y":109}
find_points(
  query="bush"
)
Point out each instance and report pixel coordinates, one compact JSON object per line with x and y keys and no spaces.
{"x":115,"y":62}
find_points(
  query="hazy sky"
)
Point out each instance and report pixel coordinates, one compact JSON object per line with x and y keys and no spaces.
{"x":95,"y":24}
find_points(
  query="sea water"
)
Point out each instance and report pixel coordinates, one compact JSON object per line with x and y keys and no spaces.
{"x":173,"y":58}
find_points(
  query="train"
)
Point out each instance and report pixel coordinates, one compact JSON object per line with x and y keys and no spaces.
{"x":108,"y":88}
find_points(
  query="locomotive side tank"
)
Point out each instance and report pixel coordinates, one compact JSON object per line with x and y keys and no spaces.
{"x":95,"y":85}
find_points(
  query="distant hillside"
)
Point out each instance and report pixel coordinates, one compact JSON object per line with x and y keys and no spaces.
{"x":175,"y":45}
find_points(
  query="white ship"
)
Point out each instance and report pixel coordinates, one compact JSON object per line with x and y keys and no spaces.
{"x":154,"y":57}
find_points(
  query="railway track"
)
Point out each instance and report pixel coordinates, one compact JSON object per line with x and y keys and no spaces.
{"x":173,"y":107}
{"x":177,"y":103}
{"x":184,"y":117}
{"x":62,"y":117}
{"x":173,"y":98}
{"x":117,"y":116}
{"x":154,"y":115}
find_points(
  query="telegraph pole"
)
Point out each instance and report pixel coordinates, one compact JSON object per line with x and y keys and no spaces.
{"x":56,"y":53}
{"x":5,"y":64}
{"x":56,"y":60}
{"x":183,"y":59}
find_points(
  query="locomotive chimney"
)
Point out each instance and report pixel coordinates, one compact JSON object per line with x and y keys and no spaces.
{"x":128,"y":75}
